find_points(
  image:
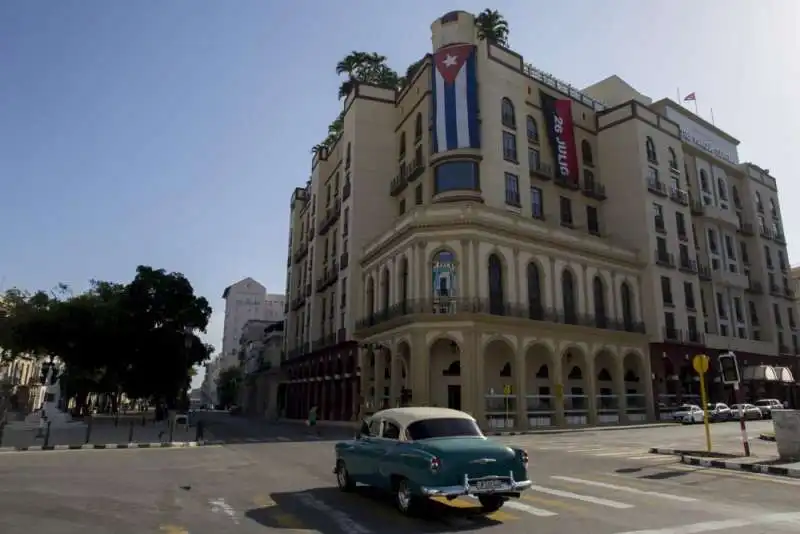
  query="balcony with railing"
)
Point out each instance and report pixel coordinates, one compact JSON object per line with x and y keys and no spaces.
{"x":697,"y":207}
{"x":755,"y":287}
{"x":665,"y":259}
{"x":746,"y":228}
{"x":766,"y":232}
{"x":329,"y":276}
{"x":679,"y":196}
{"x":656,"y":186}
{"x":455,"y":306}
{"x":301,"y":252}
{"x":331,"y":216}
{"x":687,"y":265}
{"x":704,"y":272}
{"x":592,"y":188}
{"x":542,"y":171}
{"x":567,"y":183}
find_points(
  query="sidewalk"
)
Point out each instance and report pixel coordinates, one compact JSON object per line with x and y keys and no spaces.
{"x":489,"y":432}
{"x":763,"y":459}
{"x":101,"y":432}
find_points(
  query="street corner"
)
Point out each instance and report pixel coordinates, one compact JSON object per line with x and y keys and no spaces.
{"x":365,"y":511}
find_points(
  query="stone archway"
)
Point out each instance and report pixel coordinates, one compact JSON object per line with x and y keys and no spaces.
{"x":499,"y":375}
{"x":607,"y":398}
{"x":574,"y":377}
{"x":635,"y":391}
{"x":401,"y":375}
{"x":540,"y":398}
{"x":445,"y":373}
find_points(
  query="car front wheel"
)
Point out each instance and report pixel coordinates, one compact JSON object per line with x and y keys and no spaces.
{"x":343,"y":479}
{"x":491,"y":503}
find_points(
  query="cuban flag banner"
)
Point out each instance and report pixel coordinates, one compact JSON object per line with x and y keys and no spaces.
{"x":455,"y":99}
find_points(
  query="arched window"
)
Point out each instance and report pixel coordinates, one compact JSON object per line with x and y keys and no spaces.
{"x":418,"y":128}
{"x":650,"y":148}
{"x":737,"y":201}
{"x":535,"y":308}
{"x":759,"y":203}
{"x":673,"y":159}
{"x":385,"y":290}
{"x":722,"y":189}
{"x":773,"y":208}
{"x":370,"y":297}
{"x":627,"y":306}
{"x":532,"y":130}
{"x":568,"y":296}
{"x":600,"y":316}
{"x":586,"y":153}
{"x":402,"y":148}
{"x":704,"y":181}
{"x":496,"y":297}
{"x":443,"y":271}
{"x":507,"y":114}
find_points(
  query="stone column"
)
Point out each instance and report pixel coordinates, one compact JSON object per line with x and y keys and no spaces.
{"x":519,"y":370}
{"x":380,"y":369}
{"x":420,"y":371}
{"x":618,"y":378}
{"x":396,"y":381}
{"x":559,"y":389}
{"x":590,"y":383}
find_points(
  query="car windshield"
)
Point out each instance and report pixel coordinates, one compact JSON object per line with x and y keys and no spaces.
{"x":686,"y":408}
{"x":763,"y":403}
{"x":443,"y":428}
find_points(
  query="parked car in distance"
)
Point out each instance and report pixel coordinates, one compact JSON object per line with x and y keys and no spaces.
{"x":718,"y":411}
{"x":767,"y":405}
{"x":418,"y":453}
{"x":688,"y":414}
{"x":750,"y":411}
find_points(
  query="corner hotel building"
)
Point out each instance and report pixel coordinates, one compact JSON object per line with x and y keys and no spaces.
{"x":494,"y":240}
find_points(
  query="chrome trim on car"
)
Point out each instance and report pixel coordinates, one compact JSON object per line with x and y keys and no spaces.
{"x":469,"y":487}
{"x":483,"y":461}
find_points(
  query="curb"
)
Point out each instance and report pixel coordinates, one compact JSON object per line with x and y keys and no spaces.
{"x":104,"y":446}
{"x":725,"y":464}
{"x":750,"y":468}
{"x":578,"y":430}
{"x":767,"y":437}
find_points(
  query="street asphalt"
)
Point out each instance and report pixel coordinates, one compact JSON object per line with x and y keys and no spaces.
{"x":277,"y":478}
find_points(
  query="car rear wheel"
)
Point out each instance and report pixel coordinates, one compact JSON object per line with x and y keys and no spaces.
{"x":343,"y":479}
{"x":491,"y":503}
{"x":405,"y":500}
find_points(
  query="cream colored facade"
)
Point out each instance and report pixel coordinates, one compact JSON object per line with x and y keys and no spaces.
{"x":552,"y":298}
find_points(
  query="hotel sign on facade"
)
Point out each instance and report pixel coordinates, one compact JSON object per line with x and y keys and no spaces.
{"x":695,"y":134}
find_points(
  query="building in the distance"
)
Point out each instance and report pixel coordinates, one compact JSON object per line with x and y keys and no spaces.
{"x":492,"y":239}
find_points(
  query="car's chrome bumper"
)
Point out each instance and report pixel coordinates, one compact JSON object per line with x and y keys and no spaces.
{"x":469,"y":487}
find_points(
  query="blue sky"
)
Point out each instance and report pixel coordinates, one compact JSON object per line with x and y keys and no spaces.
{"x":171,"y":133}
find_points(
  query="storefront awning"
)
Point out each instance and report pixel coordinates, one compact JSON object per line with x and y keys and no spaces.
{"x":785,"y":375}
{"x":766,"y":373}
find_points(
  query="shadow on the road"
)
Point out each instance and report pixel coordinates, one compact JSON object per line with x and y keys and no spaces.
{"x":330,"y":511}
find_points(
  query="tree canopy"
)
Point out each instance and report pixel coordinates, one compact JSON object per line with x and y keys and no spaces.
{"x":139,"y":338}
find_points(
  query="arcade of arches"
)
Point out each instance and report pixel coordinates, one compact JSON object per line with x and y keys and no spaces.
{"x":536,"y":385}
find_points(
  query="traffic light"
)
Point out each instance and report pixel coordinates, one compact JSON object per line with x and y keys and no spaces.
{"x":729,"y":368}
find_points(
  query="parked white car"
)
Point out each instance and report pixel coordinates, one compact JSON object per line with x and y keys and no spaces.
{"x":688,"y":414}
{"x":750,"y":411}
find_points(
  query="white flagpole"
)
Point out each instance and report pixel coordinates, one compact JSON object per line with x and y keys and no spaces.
{"x":696,"y":112}
{"x":679,"y":95}
{"x":712,"y":117}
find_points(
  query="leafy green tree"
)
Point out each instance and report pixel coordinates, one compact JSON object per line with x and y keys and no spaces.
{"x":229,"y":383}
{"x":492,"y":27}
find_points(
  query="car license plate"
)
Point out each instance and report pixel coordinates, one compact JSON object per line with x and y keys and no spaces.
{"x":489,"y":484}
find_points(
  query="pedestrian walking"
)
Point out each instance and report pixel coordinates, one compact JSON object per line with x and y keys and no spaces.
{"x":312,"y":419}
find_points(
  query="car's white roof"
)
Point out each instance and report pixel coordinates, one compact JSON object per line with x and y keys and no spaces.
{"x":406,"y":416}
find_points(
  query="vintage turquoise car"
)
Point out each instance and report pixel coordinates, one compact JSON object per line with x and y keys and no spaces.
{"x":417,"y":453}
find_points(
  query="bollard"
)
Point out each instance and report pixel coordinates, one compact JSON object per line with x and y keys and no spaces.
{"x":130,"y":433}
{"x":199,"y":432}
{"x":47,"y":435}
{"x":88,"y":430}
{"x":171,"y":430}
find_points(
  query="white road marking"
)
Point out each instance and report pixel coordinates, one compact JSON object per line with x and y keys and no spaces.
{"x":650,"y":457}
{"x":339,"y":518}
{"x":792,"y":518}
{"x":605,"y":485}
{"x":584,"y":498}
{"x":521,"y":507}
{"x":219,"y":505}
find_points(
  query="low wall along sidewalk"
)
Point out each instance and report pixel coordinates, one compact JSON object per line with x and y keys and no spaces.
{"x":100,"y":432}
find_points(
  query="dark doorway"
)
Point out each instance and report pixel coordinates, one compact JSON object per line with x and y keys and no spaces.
{"x":454,"y":397}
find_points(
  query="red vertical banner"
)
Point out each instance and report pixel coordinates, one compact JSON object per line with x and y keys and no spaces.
{"x":561,"y":133}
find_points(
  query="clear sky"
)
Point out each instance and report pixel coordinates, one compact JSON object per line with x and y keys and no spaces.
{"x":171,"y":133}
